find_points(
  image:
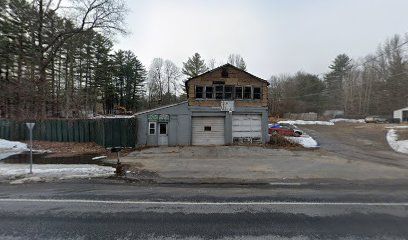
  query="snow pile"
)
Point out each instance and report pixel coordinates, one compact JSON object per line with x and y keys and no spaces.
{"x":48,"y":172}
{"x":398,"y":146}
{"x":304,"y":140}
{"x":303,"y":122}
{"x":401,"y":127}
{"x":110,"y":116}
{"x":347,"y":120}
{"x":8,"y":148}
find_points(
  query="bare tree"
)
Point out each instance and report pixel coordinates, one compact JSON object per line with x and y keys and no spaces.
{"x":237,"y":61}
{"x":87,"y":15}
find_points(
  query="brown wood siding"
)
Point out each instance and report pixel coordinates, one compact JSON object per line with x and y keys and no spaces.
{"x":235,"y":78}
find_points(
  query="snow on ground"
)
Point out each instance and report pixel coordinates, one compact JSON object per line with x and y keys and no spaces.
{"x":347,"y":120}
{"x":398,"y":145}
{"x":19,"y":173}
{"x":304,"y":140}
{"x":303,"y":122}
{"x":328,"y":123}
{"x":111,"y":116}
{"x":403,"y":126}
{"x":8,"y":148}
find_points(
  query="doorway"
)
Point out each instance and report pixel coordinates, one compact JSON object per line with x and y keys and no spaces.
{"x":163,"y":134}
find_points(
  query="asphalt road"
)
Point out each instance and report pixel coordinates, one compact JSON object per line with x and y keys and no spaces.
{"x":357,"y":142}
{"x":108,"y":210}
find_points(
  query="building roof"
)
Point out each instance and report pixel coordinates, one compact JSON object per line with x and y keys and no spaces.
{"x":159,"y":108}
{"x":405,"y":108}
{"x":223,"y":66}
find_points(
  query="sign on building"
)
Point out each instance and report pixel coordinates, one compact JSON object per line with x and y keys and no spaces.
{"x":158,"y":117}
{"x":227,"y":106}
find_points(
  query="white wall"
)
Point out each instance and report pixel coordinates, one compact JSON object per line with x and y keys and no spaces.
{"x":398,"y":113}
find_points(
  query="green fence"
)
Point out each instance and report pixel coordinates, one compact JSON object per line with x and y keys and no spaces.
{"x":108,"y":132}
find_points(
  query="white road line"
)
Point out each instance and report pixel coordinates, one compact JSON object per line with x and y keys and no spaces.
{"x":206,"y":203}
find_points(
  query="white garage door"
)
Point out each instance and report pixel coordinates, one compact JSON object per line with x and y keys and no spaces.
{"x":246,"y":127}
{"x":208,"y":130}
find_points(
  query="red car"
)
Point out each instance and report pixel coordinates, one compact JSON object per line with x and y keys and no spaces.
{"x":283,"y":129}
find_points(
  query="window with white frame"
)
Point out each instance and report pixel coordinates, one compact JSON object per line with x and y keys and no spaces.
{"x":152,"y":128}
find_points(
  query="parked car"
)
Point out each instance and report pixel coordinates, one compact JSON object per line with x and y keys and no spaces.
{"x":375,"y":119}
{"x":284,"y":129}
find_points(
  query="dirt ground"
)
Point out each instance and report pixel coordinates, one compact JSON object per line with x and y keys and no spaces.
{"x":354,"y":152}
{"x":358,"y":142}
{"x":253,"y":164}
{"x":402,"y":133}
{"x":68,"y":149}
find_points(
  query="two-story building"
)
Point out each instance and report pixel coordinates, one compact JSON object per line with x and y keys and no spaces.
{"x":225,"y":105}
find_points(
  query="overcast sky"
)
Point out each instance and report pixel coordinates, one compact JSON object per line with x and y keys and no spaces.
{"x":273,"y":36}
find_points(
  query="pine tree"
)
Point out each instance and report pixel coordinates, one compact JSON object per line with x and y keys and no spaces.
{"x":340,"y":68}
{"x":194,"y":66}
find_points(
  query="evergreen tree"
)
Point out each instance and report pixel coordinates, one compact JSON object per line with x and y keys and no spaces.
{"x":194,"y":66}
{"x":340,"y":68}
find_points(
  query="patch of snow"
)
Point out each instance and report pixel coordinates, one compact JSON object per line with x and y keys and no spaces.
{"x":392,"y":127}
{"x":398,"y":146}
{"x":303,"y":122}
{"x":99,"y":157}
{"x":304,"y":140}
{"x":347,"y":120}
{"x":111,"y":116}
{"x":8,"y":148}
{"x":19,"y":173}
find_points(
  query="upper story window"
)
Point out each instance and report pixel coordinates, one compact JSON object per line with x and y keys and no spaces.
{"x":257,"y":93}
{"x":247,"y":92}
{"x":238,"y":92}
{"x":228,"y":92}
{"x":199,"y":92}
{"x":209,"y":92}
{"x":219,"y":92}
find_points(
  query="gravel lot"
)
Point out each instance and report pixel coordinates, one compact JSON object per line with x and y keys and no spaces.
{"x":358,"y":142}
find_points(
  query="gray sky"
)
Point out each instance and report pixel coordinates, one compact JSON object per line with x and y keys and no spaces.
{"x":274,"y":37}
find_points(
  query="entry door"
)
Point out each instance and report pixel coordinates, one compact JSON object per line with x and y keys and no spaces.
{"x":163,"y":136}
{"x":405,"y":116}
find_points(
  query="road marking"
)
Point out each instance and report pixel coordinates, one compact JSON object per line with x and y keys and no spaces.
{"x":207,"y":203}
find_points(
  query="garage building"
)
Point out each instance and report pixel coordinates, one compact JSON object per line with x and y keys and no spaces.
{"x":401,"y":114}
{"x":224,"y":106}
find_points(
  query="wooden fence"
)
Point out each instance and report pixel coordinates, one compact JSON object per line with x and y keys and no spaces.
{"x":108,"y":132}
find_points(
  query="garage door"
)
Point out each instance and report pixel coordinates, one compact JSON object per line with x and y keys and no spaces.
{"x":208,"y":130}
{"x":246,"y":128}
